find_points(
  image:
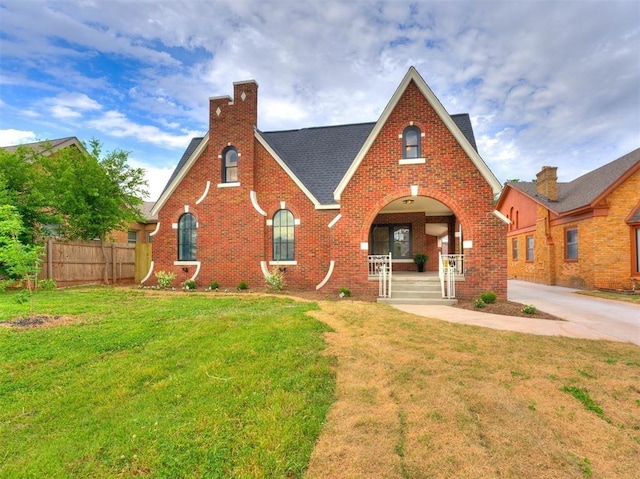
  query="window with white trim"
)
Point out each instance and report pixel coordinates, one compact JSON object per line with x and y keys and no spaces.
{"x":411,"y":142}
{"x":187,"y":237}
{"x":283,"y":236}
{"x":230,"y":165}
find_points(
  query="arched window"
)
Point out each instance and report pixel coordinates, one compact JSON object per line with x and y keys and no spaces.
{"x":187,"y":237}
{"x":283,"y":236}
{"x":230,"y":165}
{"x":411,"y":147}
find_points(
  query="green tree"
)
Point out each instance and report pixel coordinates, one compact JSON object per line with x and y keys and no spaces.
{"x":19,"y":261}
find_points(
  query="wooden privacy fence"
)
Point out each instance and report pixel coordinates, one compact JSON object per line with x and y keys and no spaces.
{"x":79,"y":262}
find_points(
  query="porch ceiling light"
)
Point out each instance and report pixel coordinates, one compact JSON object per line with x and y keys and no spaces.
{"x":407,"y":202}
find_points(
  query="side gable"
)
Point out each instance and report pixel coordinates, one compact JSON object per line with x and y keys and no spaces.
{"x":413,"y":75}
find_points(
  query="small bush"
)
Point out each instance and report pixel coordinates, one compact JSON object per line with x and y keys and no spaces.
{"x":214,"y":286}
{"x":23,"y":296}
{"x":275,"y":280}
{"x":46,"y":284}
{"x":190,"y":285}
{"x":165,"y":279}
{"x":344,"y":292}
{"x":242,"y":285}
{"x":489,"y":297}
{"x":529,"y":309}
{"x":479,"y":303}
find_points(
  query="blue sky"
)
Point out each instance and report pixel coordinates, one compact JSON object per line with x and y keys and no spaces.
{"x":545,"y":82}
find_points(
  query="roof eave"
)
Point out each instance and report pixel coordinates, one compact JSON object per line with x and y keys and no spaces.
{"x":621,"y":179}
{"x":170,"y":189}
{"x":286,"y":169}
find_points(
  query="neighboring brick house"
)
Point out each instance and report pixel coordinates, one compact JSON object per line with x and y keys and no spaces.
{"x":140,"y":232}
{"x":583,"y":234}
{"x":316,"y":202}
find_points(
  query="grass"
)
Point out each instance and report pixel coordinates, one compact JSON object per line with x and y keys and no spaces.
{"x":627,"y":298}
{"x":446,"y":400}
{"x":135,"y":383}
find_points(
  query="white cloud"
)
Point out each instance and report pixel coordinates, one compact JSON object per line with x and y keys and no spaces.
{"x":10,"y":137}
{"x":68,"y":106}
{"x":118,"y":125}
{"x":156,"y":177}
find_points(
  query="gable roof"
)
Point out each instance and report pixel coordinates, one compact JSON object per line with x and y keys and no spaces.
{"x":413,"y":76}
{"x":321,"y":160}
{"x":49,"y":147}
{"x":588,"y":189}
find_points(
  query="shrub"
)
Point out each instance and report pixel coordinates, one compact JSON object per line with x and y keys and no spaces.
{"x":489,"y":297}
{"x":529,"y":309}
{"x":189,"y":285}
{"x":46,"y":284}
{"x":275,"y":280}
{"x":479,"y":303}
{"x":165,"y":279}
{"x":242,"y":285}
{"x":214,"y":285}
{"x":344,"y":292}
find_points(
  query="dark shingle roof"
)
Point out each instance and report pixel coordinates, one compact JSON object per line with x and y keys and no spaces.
{"x":320,"y":157}
{"x":635,"y":217}
{"x":145,"y":210}
{"x":585,"y":189}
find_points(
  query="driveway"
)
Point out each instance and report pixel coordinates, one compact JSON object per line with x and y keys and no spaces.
{"x":585,"y":316}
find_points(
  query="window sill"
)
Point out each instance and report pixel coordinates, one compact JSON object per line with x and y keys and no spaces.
{"x":185,"y":262}
{"x":412,"y":161}
{"x":283,"y":263}
{"x":229,"y":185}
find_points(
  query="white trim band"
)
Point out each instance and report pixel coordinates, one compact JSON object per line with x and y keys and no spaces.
{"x":328,"y":275}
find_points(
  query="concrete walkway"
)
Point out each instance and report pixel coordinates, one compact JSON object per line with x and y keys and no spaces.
{"x":585,"y":316}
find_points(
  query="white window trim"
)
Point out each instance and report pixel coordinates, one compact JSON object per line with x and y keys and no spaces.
{"x":229,"y":185}
{"x":412,"y":161}
{"x":283,"y":263}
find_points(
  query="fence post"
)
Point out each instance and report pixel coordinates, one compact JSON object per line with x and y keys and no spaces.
{"x":50,"y":258}
{"x":113,"y":263}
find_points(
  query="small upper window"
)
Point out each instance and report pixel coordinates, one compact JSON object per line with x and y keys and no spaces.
{"x":230,"y":165}
{"x":411,"y":147}
{"x":132,"y":237}
{"x":514,"y":249}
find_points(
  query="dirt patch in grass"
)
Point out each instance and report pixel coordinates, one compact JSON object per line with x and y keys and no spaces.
{"x":506,"y":308}
{"x":418,"y":397}
{"x":39,"y":321}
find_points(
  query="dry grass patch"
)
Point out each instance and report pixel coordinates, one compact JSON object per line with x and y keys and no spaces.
{"x":421,"y":398}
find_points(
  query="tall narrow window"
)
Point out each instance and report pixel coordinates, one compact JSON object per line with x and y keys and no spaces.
{"x":571,"y":244}
{"x":529,"y":248}
{"x":637,"y":234}
{"x":230,"y":165}
{"x":187,"y":237}
{"x":514,"y":249}
{"x":283,"y":236}
{"x":411,"y":147}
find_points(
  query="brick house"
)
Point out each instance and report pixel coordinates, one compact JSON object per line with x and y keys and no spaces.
{"x":318,"y":202}
{"x":140,"y":232}
{"x":583,"y":234}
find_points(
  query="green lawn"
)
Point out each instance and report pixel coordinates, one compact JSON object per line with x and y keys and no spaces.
{"x":161,"y":385}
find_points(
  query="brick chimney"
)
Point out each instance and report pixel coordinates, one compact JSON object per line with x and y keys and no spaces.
{"x":547,"y":182}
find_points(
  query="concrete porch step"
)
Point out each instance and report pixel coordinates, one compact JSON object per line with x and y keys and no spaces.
{"x":433,"y":301}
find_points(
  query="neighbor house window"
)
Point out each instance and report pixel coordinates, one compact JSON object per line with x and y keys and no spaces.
{"x":394,"y":239}
{"x":132,"y":237}
{"x":637,"y":249}
{"x":187,"y":237}
{"x":411,"y":142}
{"x":230,"y":165}
{"x":571,"y":244}
{"x":283,"y":236}
{"x":529,"y":248}
{"x":514,"y":249}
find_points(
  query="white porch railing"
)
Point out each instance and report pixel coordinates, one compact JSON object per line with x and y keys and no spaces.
{"x":450,"y":265}
{"x":380,"y":266}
